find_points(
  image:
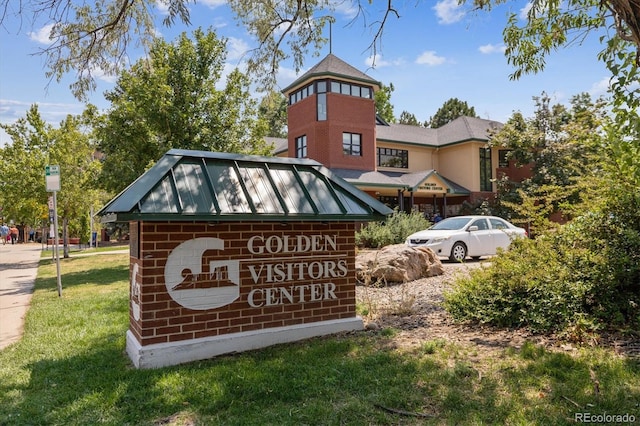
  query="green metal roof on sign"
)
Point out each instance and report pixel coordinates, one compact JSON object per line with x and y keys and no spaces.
{"x":198,"y":185}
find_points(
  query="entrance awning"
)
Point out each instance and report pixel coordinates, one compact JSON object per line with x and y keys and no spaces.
{"x":189,"y":185}
{"x":423,"y":183}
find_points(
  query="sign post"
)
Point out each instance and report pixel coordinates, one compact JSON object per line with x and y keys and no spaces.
{"x":52,"y":178}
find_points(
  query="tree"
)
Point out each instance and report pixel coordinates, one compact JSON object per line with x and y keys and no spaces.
{"x":96,"y":35}
{"x":384,"y":108}
{"x":449,"y":111}
{"x":408,"y":118}
{"x":273,"y":110}
{"x":35,"y":144}
{"x":22,"y":162}
{"x":563,"y":146}
{"x":169,"y":100}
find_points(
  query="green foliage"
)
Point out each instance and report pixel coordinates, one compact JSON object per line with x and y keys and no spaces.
{"x":382,"y":98}
{"x":587,"y":272}
{"x":170,"y":100}
{"x":34,"y":145}
{"x":449,"y":111}
{"x":408,"y":118}
{"x":563,"y":149}
{"x":273,"y":110}
{"x":394,"y":230}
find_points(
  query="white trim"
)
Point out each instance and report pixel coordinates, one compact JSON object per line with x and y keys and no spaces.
{"x":165,"y":354}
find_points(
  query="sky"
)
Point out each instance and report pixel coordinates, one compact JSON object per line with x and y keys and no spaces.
{"x":435,"y":51}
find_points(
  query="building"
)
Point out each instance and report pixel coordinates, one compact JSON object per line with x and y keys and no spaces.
{"x":332,"y":119}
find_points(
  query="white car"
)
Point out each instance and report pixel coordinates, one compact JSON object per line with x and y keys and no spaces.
{"x":461,"y":236}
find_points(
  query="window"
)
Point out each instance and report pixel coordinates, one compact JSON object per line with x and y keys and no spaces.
{"x":301,"y":146}
{"x":503,"y":158}
{"x":300,"y":94}
{"x":481,"y":224}
{"x":322,"y":107}
{"x":351,"y":144}
{"x":498,"y":224}
{"x":389,"y":157}
{"x":485,"y":170}
{"x":324,"y":86}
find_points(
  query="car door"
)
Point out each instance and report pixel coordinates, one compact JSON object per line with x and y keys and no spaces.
{"x":501,"y":235}
{"x":480,"y":240}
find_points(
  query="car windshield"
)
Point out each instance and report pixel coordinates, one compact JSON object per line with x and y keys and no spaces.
{"x":453,"y":223}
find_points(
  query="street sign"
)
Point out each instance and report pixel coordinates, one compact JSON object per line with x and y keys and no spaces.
{"x":52,"y":177}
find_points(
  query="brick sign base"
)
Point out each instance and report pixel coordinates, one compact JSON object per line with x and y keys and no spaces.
{"x":202,"y":289}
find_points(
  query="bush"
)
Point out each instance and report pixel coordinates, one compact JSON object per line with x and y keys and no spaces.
{"x":588,"y":272}
{"x":394,"y":230}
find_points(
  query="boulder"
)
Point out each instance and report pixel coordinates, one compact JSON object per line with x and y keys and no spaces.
{"x":398,"y":263}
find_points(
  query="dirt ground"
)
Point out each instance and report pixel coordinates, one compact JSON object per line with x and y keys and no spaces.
{"x":415,"y":309}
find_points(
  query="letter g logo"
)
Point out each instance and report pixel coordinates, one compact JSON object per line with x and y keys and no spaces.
{"x":198,"y":286}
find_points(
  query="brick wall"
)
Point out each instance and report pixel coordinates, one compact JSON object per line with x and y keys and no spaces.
{"x":305,"y":273}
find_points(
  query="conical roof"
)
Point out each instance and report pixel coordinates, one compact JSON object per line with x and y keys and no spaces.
{"x":331,"y":65}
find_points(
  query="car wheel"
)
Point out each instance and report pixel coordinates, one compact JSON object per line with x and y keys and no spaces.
{"x":458,"y":252}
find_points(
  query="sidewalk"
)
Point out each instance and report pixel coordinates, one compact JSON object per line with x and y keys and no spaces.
{"x":18,"y":269}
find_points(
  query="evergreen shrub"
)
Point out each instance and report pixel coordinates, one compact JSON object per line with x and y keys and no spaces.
{"x":394,"y":230}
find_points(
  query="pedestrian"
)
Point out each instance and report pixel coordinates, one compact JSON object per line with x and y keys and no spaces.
{"x":14,"y":234}
{"x":4,"y":233}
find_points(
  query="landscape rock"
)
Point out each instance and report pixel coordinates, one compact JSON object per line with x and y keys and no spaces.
{"x":397,"y":263}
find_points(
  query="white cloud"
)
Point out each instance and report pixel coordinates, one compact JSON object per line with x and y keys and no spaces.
{"x":236,"y":47}
{"x":99,"y":74}
{"x":448,"y":11}
{"x":377,"y":61}
{"x":492,"y":48}
{"x":524,"y":12}
{"x":540,"y":9}
{"x":345,"y":8}
{"x":212,"y":3}
{"x":286,"y":76}
{"x":430,"y":58}
{"x":42,"y":36}
{"x":163,"y":7}
{"x":600,"y":88}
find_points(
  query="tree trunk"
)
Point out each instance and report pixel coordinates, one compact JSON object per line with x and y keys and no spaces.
{"x":65,"y":237}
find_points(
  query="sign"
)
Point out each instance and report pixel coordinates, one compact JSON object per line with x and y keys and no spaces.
{"x":430,"y":186}
{"x":200,"y":285}
{"x":52,"y":178}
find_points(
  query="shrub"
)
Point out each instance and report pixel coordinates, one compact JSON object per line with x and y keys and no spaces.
{"x":587,"y":273}
{"x":394,"y":230}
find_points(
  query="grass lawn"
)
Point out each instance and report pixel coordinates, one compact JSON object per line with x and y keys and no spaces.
{"x":70,"y":368}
